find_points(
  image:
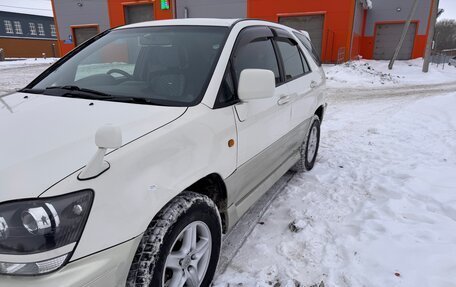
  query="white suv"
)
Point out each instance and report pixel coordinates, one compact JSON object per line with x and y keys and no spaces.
{"x":193,"y":121}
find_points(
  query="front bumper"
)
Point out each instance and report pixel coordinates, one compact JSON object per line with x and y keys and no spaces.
{"x":108,"y":268}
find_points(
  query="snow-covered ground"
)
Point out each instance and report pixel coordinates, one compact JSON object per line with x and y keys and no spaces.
{"x":375,"y":74}
{"x":17,"y":73}
{"x":380,"y":201}
{"x":379,"y":209}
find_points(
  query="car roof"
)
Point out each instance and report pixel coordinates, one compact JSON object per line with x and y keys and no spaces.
{"x":209,"y":22}
{"x":184,"y":22}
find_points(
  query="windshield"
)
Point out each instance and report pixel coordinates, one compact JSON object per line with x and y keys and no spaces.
{"x":169,"y":65}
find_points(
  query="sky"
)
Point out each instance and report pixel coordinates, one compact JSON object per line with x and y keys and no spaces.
{"x":44,"y":6}
{"x":35,"y":7}
{"x":450,"y":9}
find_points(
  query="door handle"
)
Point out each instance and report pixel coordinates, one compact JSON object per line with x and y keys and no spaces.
{"x":313,"y":85}
{"x":283,"y":100}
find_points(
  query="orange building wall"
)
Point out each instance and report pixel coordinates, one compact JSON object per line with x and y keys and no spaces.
{"x":29,"y":48}
{"x":338,"y":24}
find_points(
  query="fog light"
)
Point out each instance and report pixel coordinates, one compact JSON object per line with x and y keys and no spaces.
{"x":40,"y":220}
{"x":4,"y":230}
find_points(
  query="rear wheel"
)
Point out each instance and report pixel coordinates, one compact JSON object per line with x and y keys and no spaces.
{"x":180,"y":247}
{"x":309,"y":148}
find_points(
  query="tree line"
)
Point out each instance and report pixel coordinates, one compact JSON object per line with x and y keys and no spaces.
{"x":445,"y":35}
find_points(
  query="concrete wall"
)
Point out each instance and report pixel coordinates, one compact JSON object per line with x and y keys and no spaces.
{"x":211,"y":8}
{"x":68,"y":13}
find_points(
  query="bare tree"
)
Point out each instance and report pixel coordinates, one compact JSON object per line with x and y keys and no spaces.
{"x":445,"y":35}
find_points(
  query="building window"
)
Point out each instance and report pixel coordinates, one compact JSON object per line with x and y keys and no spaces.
{"x":32,"y":29}
{"x":40,"y":29}
{"x":18,"y":27}
{"x":8,"y":27}
{"x":53,"y":32}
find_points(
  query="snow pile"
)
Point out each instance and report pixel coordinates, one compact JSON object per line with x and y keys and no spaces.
{"x":374,"y":74}
{"x":379,"y":209}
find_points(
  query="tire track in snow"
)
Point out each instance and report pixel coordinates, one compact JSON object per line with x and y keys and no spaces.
{"x":343,"y":94}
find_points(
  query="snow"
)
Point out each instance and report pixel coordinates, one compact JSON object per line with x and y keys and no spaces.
{"x":23,"y":63}
{"x":31,"y":7}
{"x":375,"y":74}
{"x":381,"y":200}
{"x":17,"y":73}
{"x":379,"y":208}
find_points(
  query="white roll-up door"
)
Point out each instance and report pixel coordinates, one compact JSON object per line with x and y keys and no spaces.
{"x":387,"y":39}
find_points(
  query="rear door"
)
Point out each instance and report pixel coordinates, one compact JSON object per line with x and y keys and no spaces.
{"x":301,"y":82}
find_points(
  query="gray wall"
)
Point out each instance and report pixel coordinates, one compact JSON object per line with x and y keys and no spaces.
{"x":68,"y":13}
{"x":359,"y":18}
{"x":385,"y":10}
{"x":212,"y":8}
{"x":25,"y":19}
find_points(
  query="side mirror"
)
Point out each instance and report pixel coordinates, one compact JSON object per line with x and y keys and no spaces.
{"x":256,"y":84}
{"x":106,"y":137}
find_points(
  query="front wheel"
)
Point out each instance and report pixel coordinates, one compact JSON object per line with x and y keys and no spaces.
{"x":309,"y":148}
{"x":181,"y":246}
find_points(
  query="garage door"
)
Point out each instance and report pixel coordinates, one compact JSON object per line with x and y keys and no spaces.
{"x":387,"y":38}
{"x":82,"y":34}
{"x":313,"y":24}
{"x":211,"y":8}
{"x":138,"y":13}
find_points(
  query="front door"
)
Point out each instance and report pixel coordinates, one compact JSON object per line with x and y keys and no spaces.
{"x":261,"y":124}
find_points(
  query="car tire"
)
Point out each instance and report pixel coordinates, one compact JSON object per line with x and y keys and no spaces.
{"x":172,"y":248}
{"x":309,"y":148}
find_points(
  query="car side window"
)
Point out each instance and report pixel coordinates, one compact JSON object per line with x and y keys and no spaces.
{"x":291,"y":58}
{"x":258,"y":54}
{"x":310,"y":47}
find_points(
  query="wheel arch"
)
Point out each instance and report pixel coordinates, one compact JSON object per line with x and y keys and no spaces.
{"x":213,"y":187}
{"x":320,"y":112}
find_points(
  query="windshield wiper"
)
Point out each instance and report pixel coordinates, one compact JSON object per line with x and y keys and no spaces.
{"x":84,"y":93}
{"x":75,"y":91}
{"x":73,"y":88}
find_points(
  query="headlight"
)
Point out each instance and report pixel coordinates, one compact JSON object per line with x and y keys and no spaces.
{"x":37,"y":236}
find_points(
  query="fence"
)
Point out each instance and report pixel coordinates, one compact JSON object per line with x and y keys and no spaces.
{"x":442,"y":58}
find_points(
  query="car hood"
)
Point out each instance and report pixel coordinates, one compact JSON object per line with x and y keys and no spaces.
{"x":43,"y":139}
